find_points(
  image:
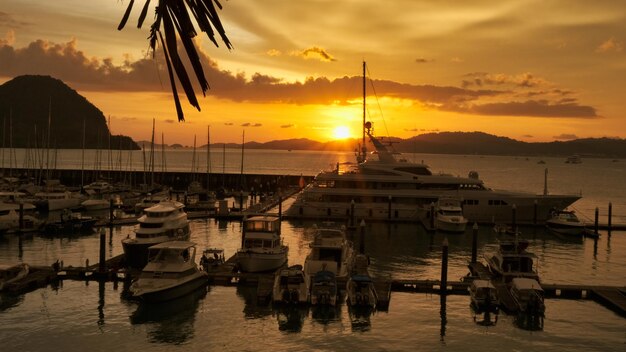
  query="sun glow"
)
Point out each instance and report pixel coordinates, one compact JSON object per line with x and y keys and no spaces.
{"x":341,"y":132}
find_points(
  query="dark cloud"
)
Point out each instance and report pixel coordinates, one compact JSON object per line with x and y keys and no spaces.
{"x":246,"y":124}
{"x":228,"y":123}
{"x":528,"y":136}
{"x":8,"y":20}
{"x":286,"y":126}
{"x":169,"y":121}
{"x":316,"y":53}
{"x":66,"y":62}
{"x":531,"y":108}
{"x":422,"y":60}
{"x":566,"y":137}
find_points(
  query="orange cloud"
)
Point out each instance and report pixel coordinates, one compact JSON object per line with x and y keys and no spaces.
{"x":610,"y":45}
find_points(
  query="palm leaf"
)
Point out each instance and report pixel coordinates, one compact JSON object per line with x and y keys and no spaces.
{"x":126,"y":15}
{"x":174,"y":17}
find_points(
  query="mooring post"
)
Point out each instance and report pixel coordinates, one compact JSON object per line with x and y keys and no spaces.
{"x":444,"y":267}
{"x":362,"y":238}
{"x":514,"y":217}
{"x":389,"y":208}
{"x":241,"y":200}
{"x":595,"y":223}
{"x":432,"y":216}
{"x":535,"y":212}
{"x":352,"y":224}
{"x":110,"y":212}
{"x":21,"y":218}
{"x":102,"y":263}
{"x":185,"y":198}
{"x":610,"y":216}
{"x":474,"y":242}
{"x":280,"y":213}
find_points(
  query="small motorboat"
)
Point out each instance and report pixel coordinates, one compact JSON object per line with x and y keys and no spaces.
{"x":212,"y":258}
{"x":528,"y":296}
{"x":484,"y":296}
{"x":565,"y":222}
{"x":290,"y":286}
{"x":324,"y":288}
{"x":70,"y":223}
{"x":360,"y":288}
{"x":449,"y":216}
{"x":171,"y":272}
{"x":12,"y":274}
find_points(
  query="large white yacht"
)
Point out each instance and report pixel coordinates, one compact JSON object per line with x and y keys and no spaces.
{"x":165,"y":221}
{"x":386,"y":187}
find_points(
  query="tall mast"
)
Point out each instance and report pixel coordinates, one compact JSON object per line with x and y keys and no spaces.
{"x":152,"y":157}
{"x":363,"y":149}
{"x":82,"y":162}
{"x":48,"y":140}
{"x":243,"y":140}
{"x":208,"y":158}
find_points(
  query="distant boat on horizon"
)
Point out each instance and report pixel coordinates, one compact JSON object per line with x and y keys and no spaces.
{"x":573,"y":159}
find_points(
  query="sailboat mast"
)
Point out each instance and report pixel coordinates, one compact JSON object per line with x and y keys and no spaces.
{"x":208,"y":158}
{"x":48,"y":140}
{"x":243,"y":140}
{"x":363,"y":149}
{"x":82,"y":163}
{"x":152,"y":157}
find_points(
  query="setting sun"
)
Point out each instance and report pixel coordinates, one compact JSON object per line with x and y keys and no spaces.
{"x":341,"y":132}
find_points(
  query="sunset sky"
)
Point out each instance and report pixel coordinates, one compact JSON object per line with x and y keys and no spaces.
{"x":529,"y":70}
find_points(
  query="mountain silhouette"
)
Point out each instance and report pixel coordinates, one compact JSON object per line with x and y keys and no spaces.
{"x":26,"y":104}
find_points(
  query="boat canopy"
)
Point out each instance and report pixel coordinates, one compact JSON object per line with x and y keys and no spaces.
{"x":521,"y":284}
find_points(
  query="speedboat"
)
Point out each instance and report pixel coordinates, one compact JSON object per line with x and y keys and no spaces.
{"x":332,"y":254}
{"x":449,"y":216}
{"x":566,"y":222}
{"x":528,"y":296}
{"x":360,"y":289}
{"x":261,"y":245}
{"x":10,"y":218}
{"x":512,"y":261}
{"x":290,"y":286}
{"x":483,"y":295}
{"x":165,"y":221}
{"x":171,"y":272}
{"x":386,"y":187}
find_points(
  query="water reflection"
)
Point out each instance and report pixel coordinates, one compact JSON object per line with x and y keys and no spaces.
{"x":530,"y":322}
{"x":325,"y":314}
{"x":360,"y":317}
{"x":170,"y":322}
{"x":252,"y":309}
{"x":291,"y":317}
{"x":484,"y":317}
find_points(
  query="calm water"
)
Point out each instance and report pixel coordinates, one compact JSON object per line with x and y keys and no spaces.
{"x":78,"y":315}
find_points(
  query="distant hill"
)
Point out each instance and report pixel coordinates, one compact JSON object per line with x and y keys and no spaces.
{"x":27,"y":101}
{"x":450,"y":143}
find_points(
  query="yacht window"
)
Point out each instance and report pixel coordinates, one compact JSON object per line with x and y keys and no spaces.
{"x":470,"y":202}
{"x":148,"y":225}
{"x":497,"y":202}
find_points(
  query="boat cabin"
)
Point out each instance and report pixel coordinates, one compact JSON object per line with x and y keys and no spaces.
{"x":261,"y":232}
{"x":172,"y":252}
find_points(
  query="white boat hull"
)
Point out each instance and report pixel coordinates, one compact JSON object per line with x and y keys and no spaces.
{"x":159,"y":290}
{"x":252,"y":262}
{"x":451,"y":226}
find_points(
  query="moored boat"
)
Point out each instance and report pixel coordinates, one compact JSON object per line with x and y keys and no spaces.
{"x":324,"y":288}
{"x":290,"y":286}
{"x":449,"y":216}
{"x":261,"y":245}
{"x":483,"y":295}
{"x":171,"y":272}
{"x":512,"y":261}
{"x":566,"y":222}
{"x":528,"y":296}
{"x":165,"y":221}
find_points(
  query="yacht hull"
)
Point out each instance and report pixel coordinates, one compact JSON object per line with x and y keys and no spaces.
{"x":450,"y":226}
{"x":173,"y":292}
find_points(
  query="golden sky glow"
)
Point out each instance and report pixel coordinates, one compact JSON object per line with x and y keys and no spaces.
{"x":530,"y":70}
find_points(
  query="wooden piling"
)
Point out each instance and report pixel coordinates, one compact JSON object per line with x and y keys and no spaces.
{"x":444,"y":267}
{"x":111,"y":212}
{"x":432,"y":215}
{"x":21,"y":218}
{"x":609,"y":219}
{"x":474,"y":242}
{"x":102,"y":262}
{"x":352,"y":224}
{"x":362,"y":238}
{"x":514,"y":217}
{"x":535,"y":212}
{"x":389,"y":208}
{"x":595,"y":223}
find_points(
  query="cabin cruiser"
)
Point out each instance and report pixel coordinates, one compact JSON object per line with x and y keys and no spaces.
{"x":290,"y":286}
{"x":165,"y":221}
{"x":331,"y":253}
{"x":565,"y":222}
{"x":449,"y":216}
{"x":261,"y":245}
{"x":57,"y":200}
{"x":150,"y":200}
{"x":512,"y":261}
{"x":171,"y":272}
{"x":360,"y":288}
{"x":324,"y":288}
{"x":484,"y":296}
{"x":528,"y":296}
{"x":385,"y":186}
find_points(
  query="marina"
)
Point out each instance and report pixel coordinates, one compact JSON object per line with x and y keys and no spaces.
{"x":390,"y":287}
